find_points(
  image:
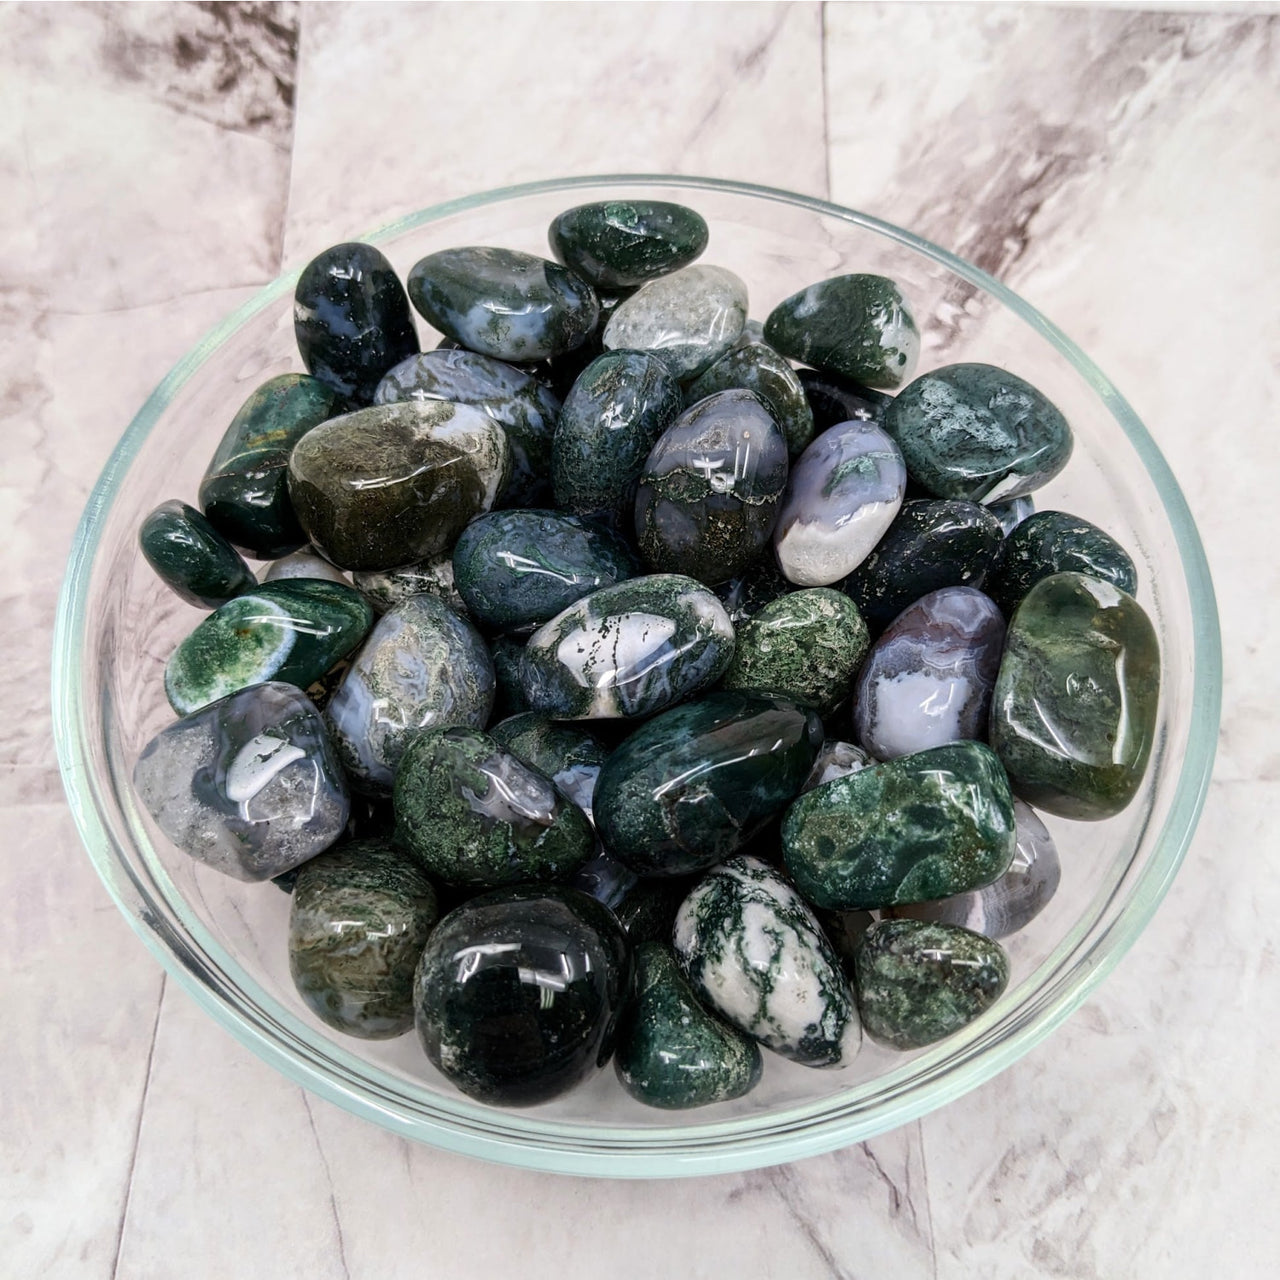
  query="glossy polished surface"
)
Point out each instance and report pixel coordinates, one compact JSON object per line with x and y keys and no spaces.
{"x":757,"y":367}
{"x":619,"y":244}
{"x":191,"y":556}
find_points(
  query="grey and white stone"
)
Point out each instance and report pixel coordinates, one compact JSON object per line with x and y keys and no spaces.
{"x":386,"y":588}
{"x":307,"y":563}
{"x":836,"y":760}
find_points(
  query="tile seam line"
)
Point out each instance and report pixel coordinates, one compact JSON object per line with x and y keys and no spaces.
{"x":826,"y":101}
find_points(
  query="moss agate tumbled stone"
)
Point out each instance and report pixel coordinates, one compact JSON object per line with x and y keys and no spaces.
{"x":294,"y":630}
{"x":361,"y":915}
{"x":476,"y":816}
{"x":386,"y":588}
{"x":191,"y":557}
{"x":922,"y":826}
{"x":976,"y":432}
{"x":918,"y":983}
{"x":306,"y":563}
{"x":759,"y":584}
{"x":689,"y":788}
{"x":628,"y":650}
{"x":517,"y":569}
{"x":504,"y":303}
{"x":352,"y":319}
{"x":395,"y":484}
{"x":671,"y":1052}
{"x":806,"y":644}
{"x":619,"y":244}
{"x":616,"y":410}
{"x":836,"y":759}
{"x":518,"y":993}
{"x":834,"y":399}
{"x":754,"y":952}
{"x":757,"y":367}
{"x":1073,"y":717}
{"x":708,"y":495}
{"x":248,"y":785}
{"x":1050,"y":542}
{"x":857,"y":326}
{"x":245,"y":490}
{"x":569,"y":755}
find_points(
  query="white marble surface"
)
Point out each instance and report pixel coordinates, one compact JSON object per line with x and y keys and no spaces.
{"x":1117,"y":167}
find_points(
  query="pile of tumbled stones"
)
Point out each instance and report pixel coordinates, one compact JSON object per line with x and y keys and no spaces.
{"x":541,"y":708}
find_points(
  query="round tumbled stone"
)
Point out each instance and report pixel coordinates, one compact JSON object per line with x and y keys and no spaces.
{"x":619,"y":244}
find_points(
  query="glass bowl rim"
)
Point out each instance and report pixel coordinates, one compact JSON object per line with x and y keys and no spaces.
{"x":921,"y":1085}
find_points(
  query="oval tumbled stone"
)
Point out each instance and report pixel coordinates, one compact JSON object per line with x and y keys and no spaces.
{"x":757,"y":367}
{"x":619,"y":244}
{"x":1073,"y":717}
{"x":503,"y":303}
{"x":690,"y":787}
{"x":922,"y":826}
{"x":628,"y":650}
{"x":191,"y":557}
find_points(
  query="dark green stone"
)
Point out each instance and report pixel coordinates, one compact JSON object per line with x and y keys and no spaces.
{"x":517,"y":569}
{"x":361,"y":915}
{"x":976,"y":432}
{"x":352,"y":319}
{"x":687,"y":789}
{"x":503,"y":303}
{"x":857,"y":326}
{"x":293,"y":630}
{"x":510,"y":697}
{"x":614,"y":413}
{"x":834,"y":399}
{"x":806,"y":644}
{"x":395,"y":484}
{"x":757,"y":367}
{"x":478,"y":817}
{"x":245,"y":490}
{"x":671,"y":1052}
{"x":646,"y":909}
{"x":619,"y":244}
{"x":1050,"y":542}
{"x":931,"y":544}
{"x":1073,"y":716}
{"x":922,"y":826}
{"x":759,"y":584}
{"x":518,"y":993}
{"x":571,"y":757}
{"x":192,"y":557}
{"x":918,"y":983}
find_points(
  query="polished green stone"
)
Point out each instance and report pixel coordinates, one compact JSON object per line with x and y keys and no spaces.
{"x":352,"y":319}
{"x":977,"y":432}
{"x":476,"y":816}
{"x":806,"y":644}
{"x":294,"y":631}
{"x":569,"y":755}
{"x":691,"y":786}
{"x":192,"y":557}
{"x":922,"y":826}
{"x":858,"y":326}
{"x":619,"y":244}
{"x":759,"y":584}
{"x":931,"y":544}
{"x":517,"y":569}
{"x":918,"y":982}
{"x":361,"y":915}
{"x":1050,"y":542}
{"x":757,"y":367}
{"x":671,"y":1052}
{"x":616,"y":410}
{"x":245,"y":490}
{"x":395,"y":484}
{"x":1073,"y":717}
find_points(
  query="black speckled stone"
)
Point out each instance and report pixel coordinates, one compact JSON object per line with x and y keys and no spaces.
{"x":191,"y":557}
{"x":671,"y":1052}
{"x":757,"y":367}
{"x":619,"y":244}
{"x":834,"y":399}
{"x":361,"y":915}
{"x":352,"y":319}
{"x":918,"y":983}
{"x":518,"y":993}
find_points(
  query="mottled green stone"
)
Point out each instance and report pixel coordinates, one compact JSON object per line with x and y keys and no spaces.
{"x":616,"y":410}
{"x":245,"y":490}
{"x":1073,"y":716}
{"x":570,"y":756}
{"x":806,"y":644}
{"x":922,"y":826}
{"x":293,"y":631}
{"x":977,"y":432}
{"x":858,"y":326}
{"x":619,"y":244}
{"x":671,"y":1052}
{"x":918,"y":982}
{"x":756,"y":366}
{"x":478,"y":817}
{"x":360,"y":917}
{"x":191,"y":557}
{"x":1050,"y":542}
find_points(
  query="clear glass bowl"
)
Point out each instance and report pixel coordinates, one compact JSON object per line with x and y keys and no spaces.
{"x":224,"y":941}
